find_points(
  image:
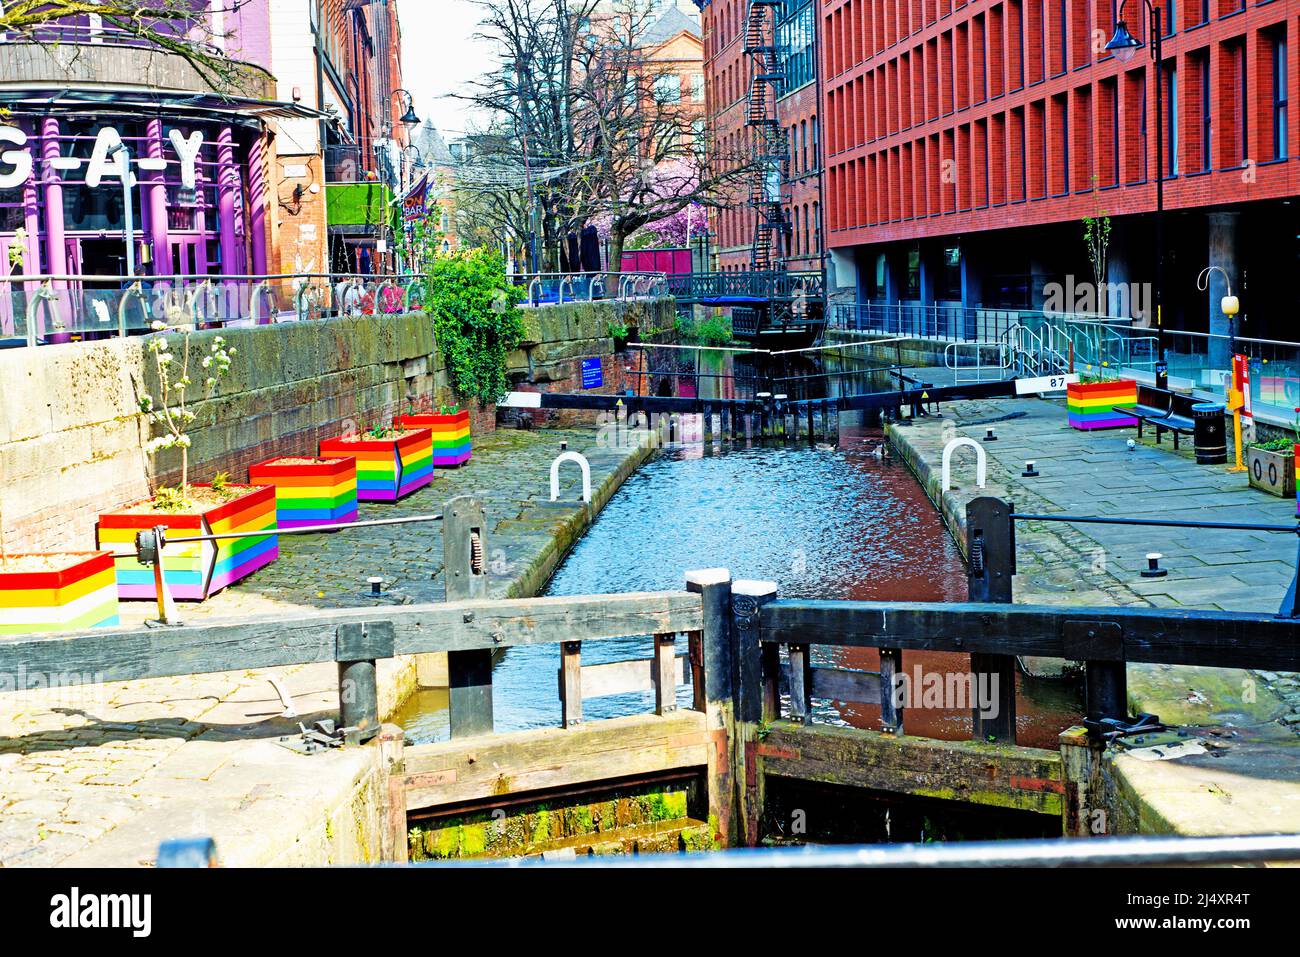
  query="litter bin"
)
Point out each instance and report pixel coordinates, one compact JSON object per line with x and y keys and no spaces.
{"x":1210,"y":437}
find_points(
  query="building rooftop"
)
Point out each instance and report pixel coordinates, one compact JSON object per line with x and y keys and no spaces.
{"x":673,"y":22}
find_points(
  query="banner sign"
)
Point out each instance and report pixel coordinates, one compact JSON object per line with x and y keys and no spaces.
{"x":416,"y":203}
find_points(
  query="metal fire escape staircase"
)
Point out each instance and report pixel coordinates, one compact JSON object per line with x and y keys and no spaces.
{"x":771,"y":149}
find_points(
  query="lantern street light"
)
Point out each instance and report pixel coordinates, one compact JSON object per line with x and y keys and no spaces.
{"x":409,"y":119}
{"x":1124,"y":46}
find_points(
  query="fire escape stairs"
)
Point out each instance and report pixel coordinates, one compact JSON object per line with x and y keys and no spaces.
{"x":770,"y":148}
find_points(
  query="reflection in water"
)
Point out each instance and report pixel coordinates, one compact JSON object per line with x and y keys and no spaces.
{"x":822,"y":524}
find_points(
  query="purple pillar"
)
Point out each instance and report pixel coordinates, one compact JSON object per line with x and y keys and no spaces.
{"x":257,"y":203}
{"x":200,"y":219}
{"x":56,"y":253}
{"x":226,"y":184}
{"x":157,"y":205}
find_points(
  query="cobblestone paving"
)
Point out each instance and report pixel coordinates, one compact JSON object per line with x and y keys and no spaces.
{"x":96,"y":774}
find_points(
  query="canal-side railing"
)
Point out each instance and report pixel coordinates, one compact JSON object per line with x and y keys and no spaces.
{"x":739,"y":728}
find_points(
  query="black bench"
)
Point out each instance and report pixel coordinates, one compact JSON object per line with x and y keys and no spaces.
{"x":1167,"y":410}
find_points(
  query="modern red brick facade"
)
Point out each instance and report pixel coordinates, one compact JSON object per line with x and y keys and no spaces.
{"x":953,"y":128}
{"x":727,"y":71}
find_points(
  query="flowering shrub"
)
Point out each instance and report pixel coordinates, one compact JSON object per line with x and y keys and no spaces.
{"x":171,"y":408}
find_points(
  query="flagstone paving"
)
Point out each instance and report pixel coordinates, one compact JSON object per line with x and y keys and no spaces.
{"x":98,"y":774}
{"x":1248,"y":781}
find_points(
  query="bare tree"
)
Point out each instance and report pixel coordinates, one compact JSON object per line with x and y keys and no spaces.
{"x":180,"y":27}
{"x":594,"y":128}
{"x":648,"y":141}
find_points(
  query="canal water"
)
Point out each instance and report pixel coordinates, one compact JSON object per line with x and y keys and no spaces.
{"x":822,"y":522}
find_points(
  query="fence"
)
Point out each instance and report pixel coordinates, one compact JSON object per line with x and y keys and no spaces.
{"x":738,"y":726}
{"x":53,"y":309}
{"x":554,"y":288}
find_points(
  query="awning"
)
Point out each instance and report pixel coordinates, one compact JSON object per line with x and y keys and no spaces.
{"x":153,"y":103}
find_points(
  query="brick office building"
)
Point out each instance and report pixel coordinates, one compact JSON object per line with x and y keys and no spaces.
{"x":728,"y":76}
{"x":965,"y":142}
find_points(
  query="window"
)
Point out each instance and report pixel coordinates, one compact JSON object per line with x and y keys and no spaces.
{"x":668,"y":88}
{"x":1171,"y":121}
{"x":1205,"y":112}
{"x":697,"y":87}
{"x":1279,"y":98}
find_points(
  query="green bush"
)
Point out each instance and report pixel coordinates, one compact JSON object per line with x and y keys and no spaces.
{"x":476,"y":320}
{"x":712,"y":331}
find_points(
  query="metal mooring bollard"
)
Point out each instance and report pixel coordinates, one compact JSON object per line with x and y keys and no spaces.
{"x":1030,"y":471}
{"x":1153,"y":569}
{"x":990,"y":435}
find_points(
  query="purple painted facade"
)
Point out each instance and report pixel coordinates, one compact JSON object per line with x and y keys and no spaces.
{"x":199,"y":199}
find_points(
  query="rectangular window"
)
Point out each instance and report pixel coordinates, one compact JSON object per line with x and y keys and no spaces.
{"x":1171,"y":121}
{"x":1206,"y":162}
{"x":1279,"y":98}
{"x":697,"y":87}
{"x":668,"y":88}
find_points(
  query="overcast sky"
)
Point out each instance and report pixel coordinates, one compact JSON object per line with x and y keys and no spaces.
{"x":438,"y":55}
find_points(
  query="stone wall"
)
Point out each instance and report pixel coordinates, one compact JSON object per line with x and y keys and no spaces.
{"x":72,"y":439}
{"x":559,"y":337}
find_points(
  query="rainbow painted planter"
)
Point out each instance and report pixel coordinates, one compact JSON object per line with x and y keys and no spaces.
{"x":1092,"y":404}
{"x":310,"y":492}
{"x":451,"y":443}
{"x":82,"y":594}
{"x":387,"y":468}
{"x":196,"y":571}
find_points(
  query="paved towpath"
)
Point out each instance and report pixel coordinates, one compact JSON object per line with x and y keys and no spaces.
{"x":1249,"y":781}
{"x":98,"y":774}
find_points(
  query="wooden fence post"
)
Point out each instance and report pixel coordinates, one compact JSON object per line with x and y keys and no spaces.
{"x":392,"y":838}
{"x":747,"y":601}
{"x":1084,"y":810}
{"x":571,"y":684}
{"x":464,"y":569}
{"x":665,"y":673}
{"x":991,"y":554}
{"x":713,"y":675}
{"x":356,"y":649}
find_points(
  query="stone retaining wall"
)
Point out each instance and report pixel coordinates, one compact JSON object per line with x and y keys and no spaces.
{"x":559,"y":337}
{"x":72,"y":437}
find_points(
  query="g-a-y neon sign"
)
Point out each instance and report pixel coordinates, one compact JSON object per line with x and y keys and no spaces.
{"x":105,"y":159}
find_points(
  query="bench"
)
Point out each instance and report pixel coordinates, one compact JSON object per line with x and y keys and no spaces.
{"x":1167,"y":410}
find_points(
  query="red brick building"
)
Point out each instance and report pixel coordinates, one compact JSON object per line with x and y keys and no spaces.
{"x":729,"y":74}
{"x":965,"y":142}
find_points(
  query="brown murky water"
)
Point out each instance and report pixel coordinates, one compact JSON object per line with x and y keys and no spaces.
{"x":823,"y":523}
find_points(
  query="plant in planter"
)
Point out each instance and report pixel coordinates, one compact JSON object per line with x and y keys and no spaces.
{"x":58,"y":591}
{"x":392,"y":461}
{"x":1271,"y":466}
{"x":450,"y":428}
{"x":310,"y":491}
{"x":192,"y":570}
{"x":1092,"y":401}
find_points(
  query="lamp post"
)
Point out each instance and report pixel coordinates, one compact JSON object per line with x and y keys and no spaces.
{"x":1124,"y":46}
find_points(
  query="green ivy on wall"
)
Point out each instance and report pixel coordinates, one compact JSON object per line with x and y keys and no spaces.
{"x":476,"y":320}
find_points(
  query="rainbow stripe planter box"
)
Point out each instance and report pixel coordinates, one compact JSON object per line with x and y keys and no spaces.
{"x":196,"y":571}
{"x":1092,"y":404}
{"x":310,"y":492}
{"x":451,"y":443}
{"x":387,"y":468}
{"x":82,"y":593}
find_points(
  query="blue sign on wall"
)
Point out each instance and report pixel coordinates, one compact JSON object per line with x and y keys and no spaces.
{"x":591,"y":375}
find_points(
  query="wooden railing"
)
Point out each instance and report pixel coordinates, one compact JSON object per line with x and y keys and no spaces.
{"x":736,"y":729}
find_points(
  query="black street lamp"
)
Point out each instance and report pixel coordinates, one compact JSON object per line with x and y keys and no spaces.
{"x":1125,"y":46}
{"x":409,"y":119}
